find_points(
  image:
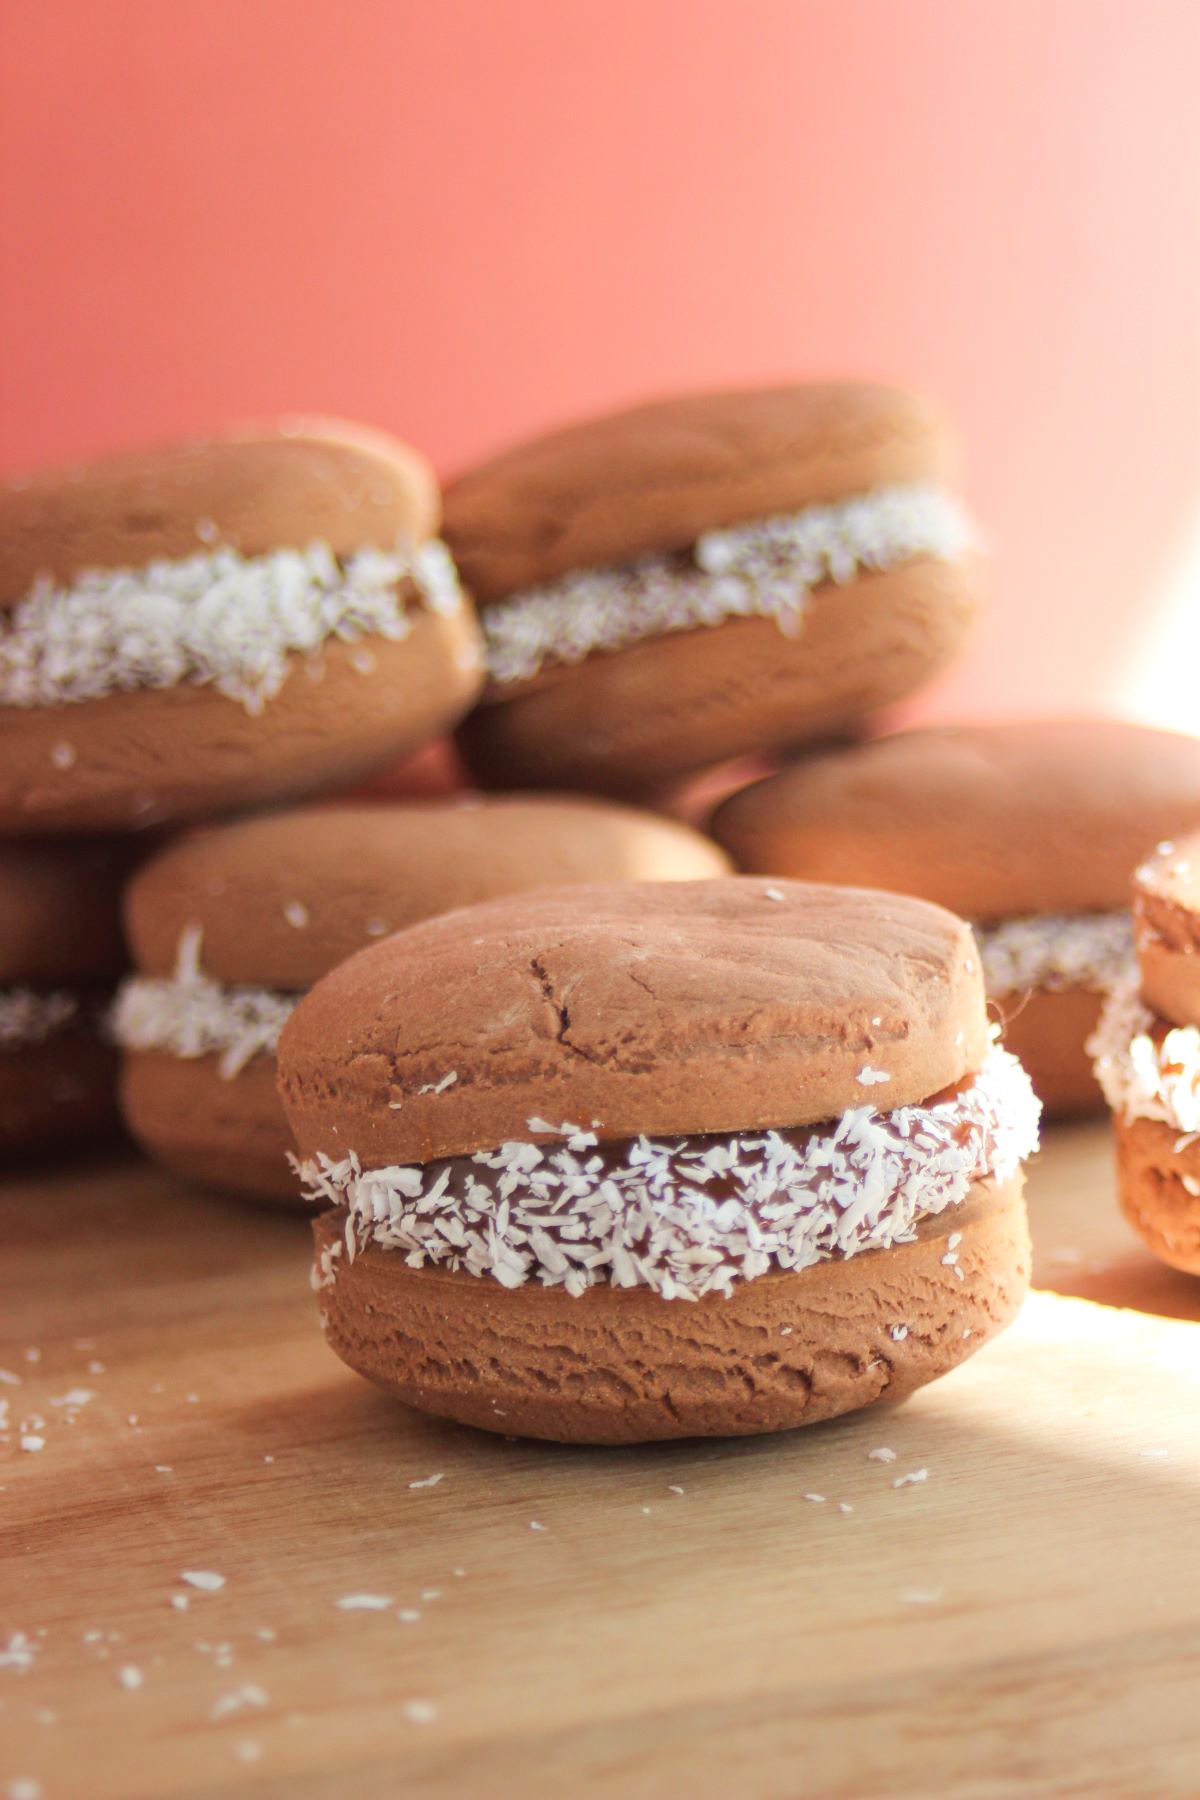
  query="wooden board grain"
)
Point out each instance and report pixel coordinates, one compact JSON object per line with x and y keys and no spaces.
{"x":680,"y":1620}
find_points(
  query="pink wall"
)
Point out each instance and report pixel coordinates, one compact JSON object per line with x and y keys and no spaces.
{"x":466,"y":219}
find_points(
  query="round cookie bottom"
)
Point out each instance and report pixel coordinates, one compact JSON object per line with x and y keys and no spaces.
{"x":1046,"y":1030}
{"x":228,"y":1134}
{"x":1152,"y":1191}
{"x":154,"y":754}
{"x":627,"y":721}
{"x":59,"y":1092}
{"x":623,"y":1365}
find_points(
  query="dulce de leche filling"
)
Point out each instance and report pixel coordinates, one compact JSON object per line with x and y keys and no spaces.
{"x":688,"y":1216}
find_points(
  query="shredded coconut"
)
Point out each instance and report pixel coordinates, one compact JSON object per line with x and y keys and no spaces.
{"x":27,"y":1017}
{"x":1141,"y":1077}
{"x":216,"y":618}
{"x":1056,"y":950}
{"x":205,"y":1579}
{"x":765,"y":569}
{"x":565,"y":1218}
{"x":188,"y":1014}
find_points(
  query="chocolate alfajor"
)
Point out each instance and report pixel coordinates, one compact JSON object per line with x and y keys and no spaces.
{"x":616,"y":1163}
{"x":229,"y":925}
{"x":1028,"y":830}
{"x":221,"y":624}
{"x":707,"y":576}
{"x":60,"y":953}
{"x":1147,"y":1050}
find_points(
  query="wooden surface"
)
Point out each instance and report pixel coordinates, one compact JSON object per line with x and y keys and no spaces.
{"x":1024,"y":1620}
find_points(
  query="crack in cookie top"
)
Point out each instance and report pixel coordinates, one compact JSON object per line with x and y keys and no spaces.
{"x":187,"y":1014}
{"x":1144,"y":1070}
{"x":29,"y":1017}
{"x":1055,"y":951}
{"x":692,"y":1215}
{"x":216,"y":618}
{"x":763,"y":569}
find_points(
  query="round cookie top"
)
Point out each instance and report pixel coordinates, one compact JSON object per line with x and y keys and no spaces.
{"x":656,"y":477}
{"x":632,"y":1008}
{"x":254,"y":488}
{"x":994,"y":821}
{"x":282,"y":898}
{"x":60,"y":912}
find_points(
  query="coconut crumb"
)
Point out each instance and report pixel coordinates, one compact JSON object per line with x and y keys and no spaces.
{"x":1056,"y":950}
{"x":215,"y":619}
{"x":189,"y":1015}
{"x":766,"y":568}
{"x":207,"y":1580}
{"x":910,"y":1479}
{"x":429,"y":1481}
{"x":569,"y":1218}
{"x":29,"y":1017}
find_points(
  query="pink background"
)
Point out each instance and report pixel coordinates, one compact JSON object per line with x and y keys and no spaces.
{"x":466,"y":220}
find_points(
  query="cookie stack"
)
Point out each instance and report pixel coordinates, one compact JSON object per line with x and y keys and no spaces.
{"x":612,"y":1145}
{"x":182,"y":633}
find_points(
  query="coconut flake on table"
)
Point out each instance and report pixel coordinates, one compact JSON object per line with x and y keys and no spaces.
{"x":187,"y":1014}
{"x":764,"y":569}
{"x":568,"y":1218}
{"x":1056,"y":950}
{"x":215,"y":619}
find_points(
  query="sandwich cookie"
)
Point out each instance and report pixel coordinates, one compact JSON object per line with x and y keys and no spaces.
{"x":1027,"y":830}
{"x":1147,"y":1050}
{"x":222,"y":624}
{"x":676,"y":586}
{"x":229,"y":926}
{"x":60,"y":954}
{"x":616,"y":1163}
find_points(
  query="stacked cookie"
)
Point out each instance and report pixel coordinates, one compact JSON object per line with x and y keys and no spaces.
{"x":220,"y":625}
{"x":230,"y":925}
{"x":627,"y":1162}
{"x":1147,"y":1050}
{"x":60,"y":953}
{"x":183,"y":632}
{"x":1029,"y":831}
{"x":674,"y":586}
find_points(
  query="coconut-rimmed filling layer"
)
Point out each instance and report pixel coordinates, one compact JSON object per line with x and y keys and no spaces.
{"x":1055,"y":951}
{"x":217,"y":618}
{"x":691,"y":1215}
{"x":1146,"y":1067}
{"x":30,"y":1016}
{"x":764,"y":569}
{"x":188,"y":1014}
